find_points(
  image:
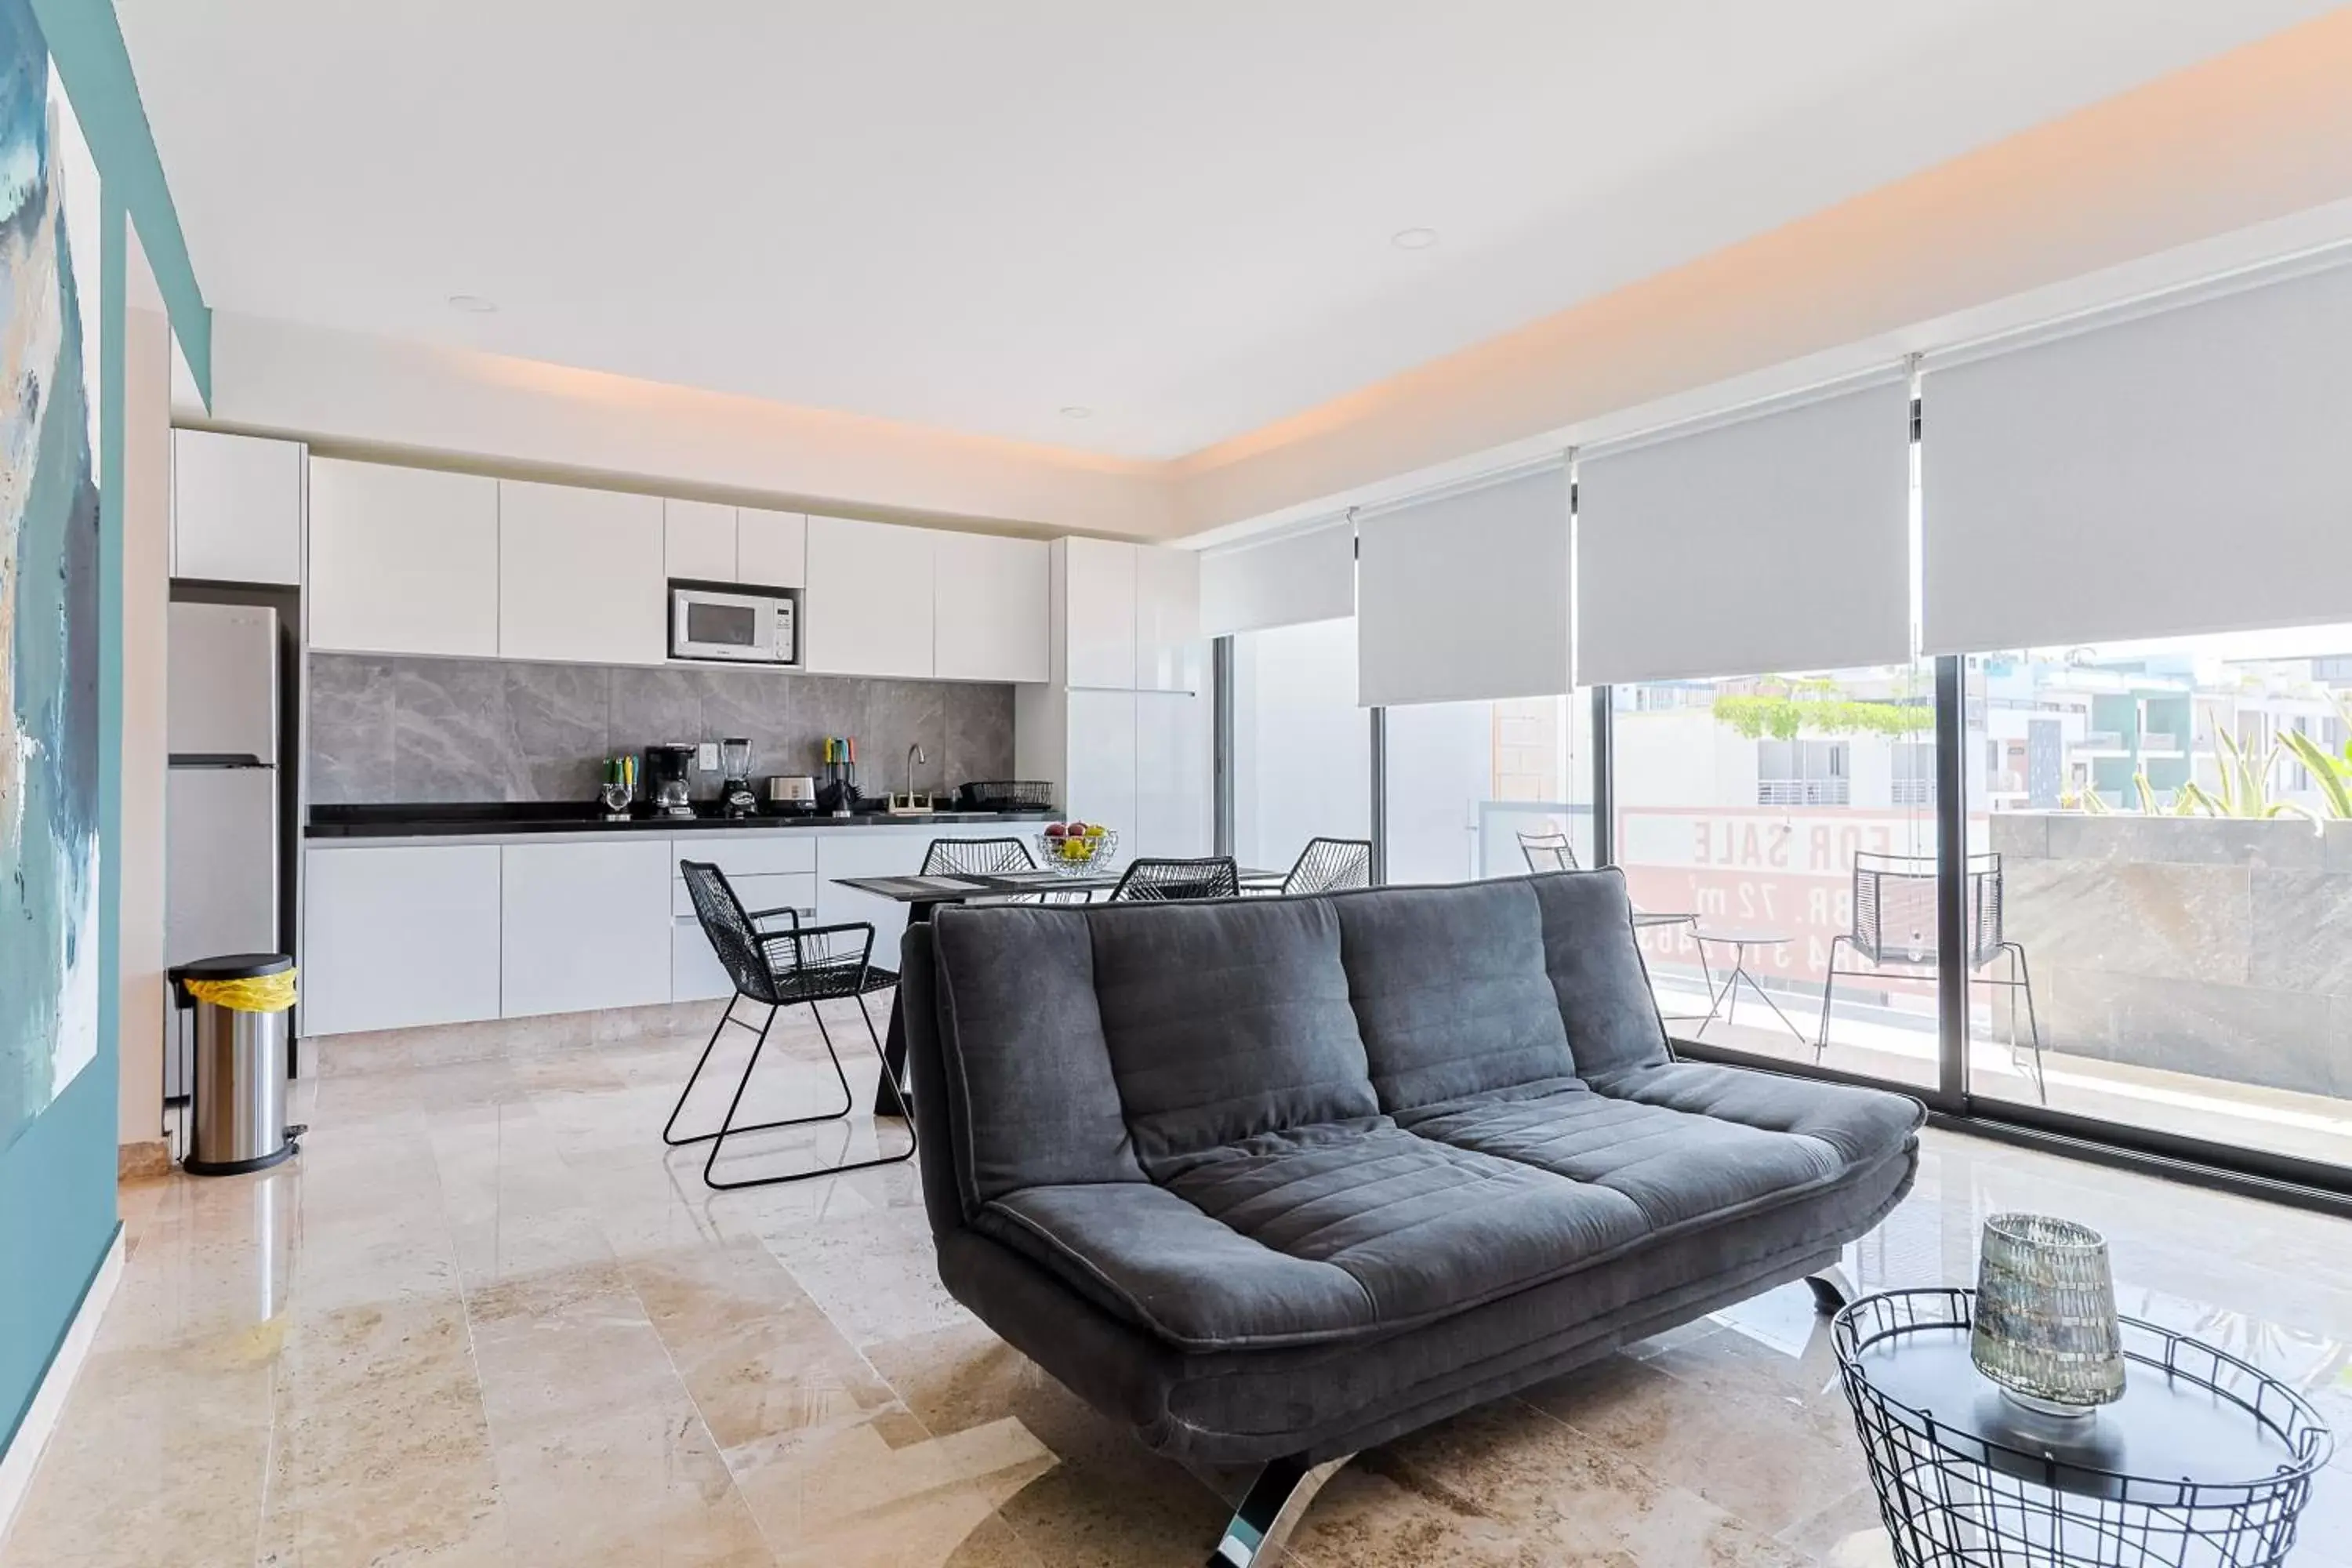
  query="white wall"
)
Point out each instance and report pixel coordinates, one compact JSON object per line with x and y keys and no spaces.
{"x":387,"y":397}
{"x":146,"y":590}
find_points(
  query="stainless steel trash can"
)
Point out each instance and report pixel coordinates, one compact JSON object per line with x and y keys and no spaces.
{"x":237,"y":1116}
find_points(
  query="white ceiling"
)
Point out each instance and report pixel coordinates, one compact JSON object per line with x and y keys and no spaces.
{"x":971,"y":216}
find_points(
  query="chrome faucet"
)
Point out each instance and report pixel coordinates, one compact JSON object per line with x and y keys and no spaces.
{"x":914,"y":755}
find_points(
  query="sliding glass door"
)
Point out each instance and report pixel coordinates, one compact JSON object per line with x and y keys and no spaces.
{"x":1473,"y":787}
{"x":1301,"y":749}
{"x":1778,"y":835}
{"x":2161,"y":858}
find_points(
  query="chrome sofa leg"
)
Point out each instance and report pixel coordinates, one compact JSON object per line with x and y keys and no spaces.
{"x":1834,"y":1290}
{"x":1276,"y":1500}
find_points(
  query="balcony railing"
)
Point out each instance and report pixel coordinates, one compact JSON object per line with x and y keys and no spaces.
{"x":1803,"y":792}
{"x":1915,"y":792}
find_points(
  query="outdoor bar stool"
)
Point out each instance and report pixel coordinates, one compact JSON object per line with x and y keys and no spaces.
{"x":779,"y":969}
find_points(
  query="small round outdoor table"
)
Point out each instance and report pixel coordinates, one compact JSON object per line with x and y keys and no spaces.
{"x":2205,"y":1461}
{"x":1726,"y":1000}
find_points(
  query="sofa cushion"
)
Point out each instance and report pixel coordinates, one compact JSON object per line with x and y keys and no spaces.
{"x":1678,"y":1168}
{"x":1451,"y":991}
{"x":1021,"y":1045}
{"x":1313,"y":1234}
{"x":1863,"y":1125}
{"x":1224,"y":1020}
{"x":1598,"y":979}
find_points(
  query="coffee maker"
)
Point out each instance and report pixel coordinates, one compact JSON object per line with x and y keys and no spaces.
{"x":668,"y":770}
{"x":735,"y":795}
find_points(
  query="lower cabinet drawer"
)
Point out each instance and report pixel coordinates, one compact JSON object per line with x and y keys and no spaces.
{"x":776,"y":892}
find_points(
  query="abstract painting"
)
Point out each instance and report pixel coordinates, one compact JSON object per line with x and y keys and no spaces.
{"x":48,"y":596}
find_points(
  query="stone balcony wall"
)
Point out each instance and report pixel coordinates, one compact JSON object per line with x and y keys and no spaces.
{"x":2220,"y":948}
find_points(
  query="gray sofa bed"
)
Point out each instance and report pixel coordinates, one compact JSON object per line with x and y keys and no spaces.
{"x":1274,"y":1180}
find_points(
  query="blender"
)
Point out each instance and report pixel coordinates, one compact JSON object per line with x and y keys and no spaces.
{"x":735,"y":796}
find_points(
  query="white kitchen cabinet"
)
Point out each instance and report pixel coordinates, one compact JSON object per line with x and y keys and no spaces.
{"x":580,"y":575}
{"x":1168,"y":653}
{"x":1172,"y":804}
{"x":771,"y":548}
{"x":236,"y":507}
{"x":870,"y":852}
{"x":694,"y":972}
{"x":585,"y":925}
{"x":402,"y":559}
{"x":698,"y":540}
{"x":1096,"y":606}
{"x":1101,"y":784}
{"x":868,"y":605}
{"x":395,"y":938}
{"x":991,"y":616}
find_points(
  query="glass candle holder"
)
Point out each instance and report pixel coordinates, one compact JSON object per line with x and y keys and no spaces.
{"x":2046,"y":1324}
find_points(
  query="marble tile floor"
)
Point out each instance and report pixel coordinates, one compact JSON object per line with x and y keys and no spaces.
{"x":488,"y":1319}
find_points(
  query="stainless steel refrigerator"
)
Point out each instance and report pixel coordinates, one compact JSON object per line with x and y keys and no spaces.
{"x":221,"y":800}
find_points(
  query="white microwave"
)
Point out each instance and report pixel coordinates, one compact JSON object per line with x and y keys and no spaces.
{"x":750,"y":626}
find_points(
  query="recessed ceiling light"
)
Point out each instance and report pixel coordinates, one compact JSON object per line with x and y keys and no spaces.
{"x":1077,"y":411}
{"x":1413,"y":238}
{"x":472,"y":304}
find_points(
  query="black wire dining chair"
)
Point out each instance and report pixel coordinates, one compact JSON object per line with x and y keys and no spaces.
{"x":780,"y":969}
{"x":1330,"y":865}
{"x":1164,"y":881}
{"x":1895,"y":925}
{"x":976,"y":857}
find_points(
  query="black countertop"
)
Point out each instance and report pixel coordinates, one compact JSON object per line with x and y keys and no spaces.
{"x":437,"y":819}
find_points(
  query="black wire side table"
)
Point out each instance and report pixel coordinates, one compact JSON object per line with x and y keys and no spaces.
{"x":2205,"y":1462}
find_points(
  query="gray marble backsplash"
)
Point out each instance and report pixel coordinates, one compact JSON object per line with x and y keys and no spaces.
{"x":389,"y":730}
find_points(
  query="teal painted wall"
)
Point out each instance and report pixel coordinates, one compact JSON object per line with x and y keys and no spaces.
{"x":57,"y":1214}
{"x":56,"y":1220}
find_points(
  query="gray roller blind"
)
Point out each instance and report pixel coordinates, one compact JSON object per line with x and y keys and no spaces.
{"x":1285,"y":582}
{"x":1774,"y":542}
{"x":2182,"y":471}
{"x":1466,"y":597}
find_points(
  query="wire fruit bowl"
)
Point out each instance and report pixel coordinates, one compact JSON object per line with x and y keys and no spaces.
{"x":1086,"y":855}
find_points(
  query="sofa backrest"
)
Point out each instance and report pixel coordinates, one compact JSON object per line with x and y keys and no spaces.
{"x":1450,"y":990}
{"x":1098,"y":1043}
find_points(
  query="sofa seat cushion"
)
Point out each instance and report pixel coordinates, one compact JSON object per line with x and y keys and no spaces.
{"x":1331,"y":1232}
{"x":1864,"y":1126}
{"x":1678,"y":1168}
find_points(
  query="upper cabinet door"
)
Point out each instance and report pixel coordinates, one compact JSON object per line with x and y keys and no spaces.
{"x":698,"y":540}
{"x":1168,"y":651}
{"x":993,"y":604}
{"x":771,"y":548}
{"x":402,"y":559}
{"x":580,"y":575}
{"x":1098,"y":613}
{"x":867,"y":606}
{"x":236,"y":507}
